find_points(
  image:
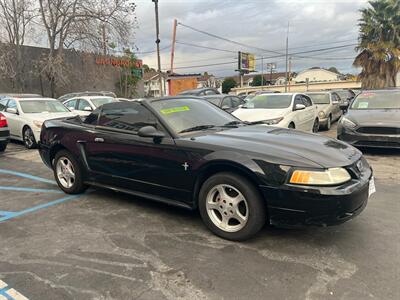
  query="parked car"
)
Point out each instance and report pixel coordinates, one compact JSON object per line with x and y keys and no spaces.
{"x":25,"y":117}
{"x":289,"y":110}
{"x":328,"y":105}
{"x":345,"y":95}
{"x":200,"y":92}
{"x":189,"y":153}
{"x":228,"y":103}
{"x":372,"y":120}
{"x":84,"y":105}
{"x":4,"y":132}
{"x":2,"y":96}
{"x":87,"y":93}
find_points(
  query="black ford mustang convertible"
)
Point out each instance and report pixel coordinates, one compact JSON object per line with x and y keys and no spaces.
{"x":187,"y":152}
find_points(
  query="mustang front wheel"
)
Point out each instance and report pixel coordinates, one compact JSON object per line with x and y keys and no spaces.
{"x":231,"y":207}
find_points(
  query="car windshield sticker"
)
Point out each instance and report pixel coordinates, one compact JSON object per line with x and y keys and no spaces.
{"x":368,"y":95}
{"x":363,"y":105}
{"x":172,"y":110}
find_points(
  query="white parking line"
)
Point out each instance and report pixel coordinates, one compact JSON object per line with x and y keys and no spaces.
{"x":10,"y":293}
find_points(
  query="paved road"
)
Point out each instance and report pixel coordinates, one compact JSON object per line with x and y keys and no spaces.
{"x":105,"y":245}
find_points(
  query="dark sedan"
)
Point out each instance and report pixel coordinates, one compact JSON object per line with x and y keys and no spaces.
{"x":186,"y":152}
{"x":372,"y":120}
{"x":228,"y":103}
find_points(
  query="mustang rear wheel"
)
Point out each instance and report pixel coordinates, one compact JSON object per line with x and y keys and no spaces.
{"x":68,"y":173}
{"x":231,"y":207}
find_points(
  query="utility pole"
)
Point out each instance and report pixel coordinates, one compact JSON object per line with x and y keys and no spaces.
{"x":158,"y":47}
{"x":271,"y":67}
{"x":173,"y":45}
{"x":287,"y":57}
{"x":262,"y":72}
{"x":290,"y":70}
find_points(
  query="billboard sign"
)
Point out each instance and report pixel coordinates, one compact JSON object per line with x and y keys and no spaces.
{"x":247,"y":62}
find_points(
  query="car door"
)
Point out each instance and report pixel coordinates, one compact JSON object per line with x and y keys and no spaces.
{"x":118,"y":156}
{"x":309,"y":112}
{"x":14,"y":120}
{"x":299,"y":116}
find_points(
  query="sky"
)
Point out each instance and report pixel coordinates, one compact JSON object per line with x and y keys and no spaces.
{"x":261,"y":25}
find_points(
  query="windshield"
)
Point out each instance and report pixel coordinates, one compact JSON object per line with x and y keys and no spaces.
{"x":381,"y":100}
{"x":320,"y":98}
{"x":269,"y":101}
{"x":41,"y":106}
{"x":100,"y":101}
{"x":183,"y":114}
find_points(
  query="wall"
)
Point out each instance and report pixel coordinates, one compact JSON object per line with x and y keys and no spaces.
{"x":302,"y":87}
{"x":82,"y":74}
{"x":316,"y":75}
{"x":177,"y":85}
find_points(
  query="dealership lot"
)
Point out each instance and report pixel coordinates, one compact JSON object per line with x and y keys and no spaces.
{"x":105,"y":245}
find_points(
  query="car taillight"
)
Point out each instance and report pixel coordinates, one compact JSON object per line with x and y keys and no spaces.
{"x":3,"y":121}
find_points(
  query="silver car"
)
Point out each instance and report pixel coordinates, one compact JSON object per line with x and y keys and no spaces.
{"x":328,"y":106}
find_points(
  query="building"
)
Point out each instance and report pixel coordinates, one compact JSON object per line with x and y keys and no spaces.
{"x":207,"y":80}
{"x":152,"y":84}
{"x":316,"y":75}
{"x":275,"y":78}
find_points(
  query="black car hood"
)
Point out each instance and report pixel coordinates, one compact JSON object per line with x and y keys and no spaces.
{"x":284,"y":145}
{"x":376,"y":117}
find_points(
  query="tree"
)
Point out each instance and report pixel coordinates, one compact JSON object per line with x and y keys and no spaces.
{"x":379,"y":44}
{"x":15,"y":17}
{"x":228,"y":84}
{"x":257,"y":81}
{"x":334,"y":70}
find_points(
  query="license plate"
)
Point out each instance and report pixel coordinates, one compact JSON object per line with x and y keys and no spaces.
{"x":372,"y":188}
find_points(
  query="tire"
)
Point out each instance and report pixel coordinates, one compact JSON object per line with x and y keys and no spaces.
{"x":29,"y":138}
{"x":250,"y":209}
{"x":68,"y":173}
{"x":328,"y":123}
{"x":315,"y":128}
{"x":3,"y":147}
{"x":292,"y":126}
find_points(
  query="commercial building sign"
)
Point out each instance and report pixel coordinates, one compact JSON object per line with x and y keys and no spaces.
{"x":119,"y":62}
{"x":246,"y":62}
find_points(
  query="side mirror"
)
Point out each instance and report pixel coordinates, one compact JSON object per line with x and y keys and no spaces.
{"x":335,"y":102}
{"x":12,"y":110}
{"x":344,"y":105}
{"x":225,"y":107}
{"x":299,"y":107}
{"x":240,"y":106}
{"x":87,"y":108}
{"x":150,"y":131}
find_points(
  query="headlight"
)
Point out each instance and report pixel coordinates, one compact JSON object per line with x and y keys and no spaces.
{"x":272,"y":121}
{"x":347,"y":123}
{"x":38,"y":124}
{"x":331,"y":176}
{"x":321,"y":114}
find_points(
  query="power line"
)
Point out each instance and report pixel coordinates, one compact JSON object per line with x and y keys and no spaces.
{"x":205,"y":47}
{"x":227,"y":40}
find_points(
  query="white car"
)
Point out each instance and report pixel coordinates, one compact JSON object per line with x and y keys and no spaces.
{"x":84,"y":105}
{"x":25,"y":117}
{"x":289,"y":110}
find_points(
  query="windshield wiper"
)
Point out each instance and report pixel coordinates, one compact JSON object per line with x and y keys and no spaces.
{"x":195,"y":128}
{"x":232,"y":123}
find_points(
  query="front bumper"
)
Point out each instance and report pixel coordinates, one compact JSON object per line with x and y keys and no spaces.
{"x":357,"y":139}
{"x":293,"y":206}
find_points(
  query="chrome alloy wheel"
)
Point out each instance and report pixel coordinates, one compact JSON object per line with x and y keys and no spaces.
{"x":227,"y":208}
{"x":29,"y":138}
{"x":65,"y":172}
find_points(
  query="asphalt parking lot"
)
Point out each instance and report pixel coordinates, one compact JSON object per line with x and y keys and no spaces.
{"x":106,"y":245}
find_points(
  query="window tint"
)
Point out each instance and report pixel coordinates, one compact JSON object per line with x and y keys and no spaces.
{"x":306,"y":101}
{"x":227,"y":102}
{"x":127,"y":116}
{"x":82,"y":104}
{"x":71,"y":104}
{"x":3,"y":104}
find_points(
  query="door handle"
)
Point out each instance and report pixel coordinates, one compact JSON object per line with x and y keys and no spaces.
{"x":98,"y":140}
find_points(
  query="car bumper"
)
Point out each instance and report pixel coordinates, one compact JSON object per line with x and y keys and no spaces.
{"x":44,"y":152}
{"x":368,"y":140}
{"x":293,"y":206}
{"x":4,"y":136}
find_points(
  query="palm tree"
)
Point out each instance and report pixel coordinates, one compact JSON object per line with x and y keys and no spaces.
{"x":379,"y":44}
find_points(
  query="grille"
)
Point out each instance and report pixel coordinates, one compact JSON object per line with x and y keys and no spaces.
{"x":379,"y":130}
{"x":377,"y":144}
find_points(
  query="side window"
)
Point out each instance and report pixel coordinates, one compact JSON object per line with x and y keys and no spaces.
{"x":298,"y":100}
{"x":3,"y":104}
{"x":130,"y":117}
{"x":209,"y":92}
{"x":335,"y":97}
{"x":307,"y":101}
{"x":71,"y":104}
{"x":236,"y":101}
{"x":83,"y":104}
{"x":93,"y":117}
{"x":227,"y":102}
{"x":12,"y":104}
